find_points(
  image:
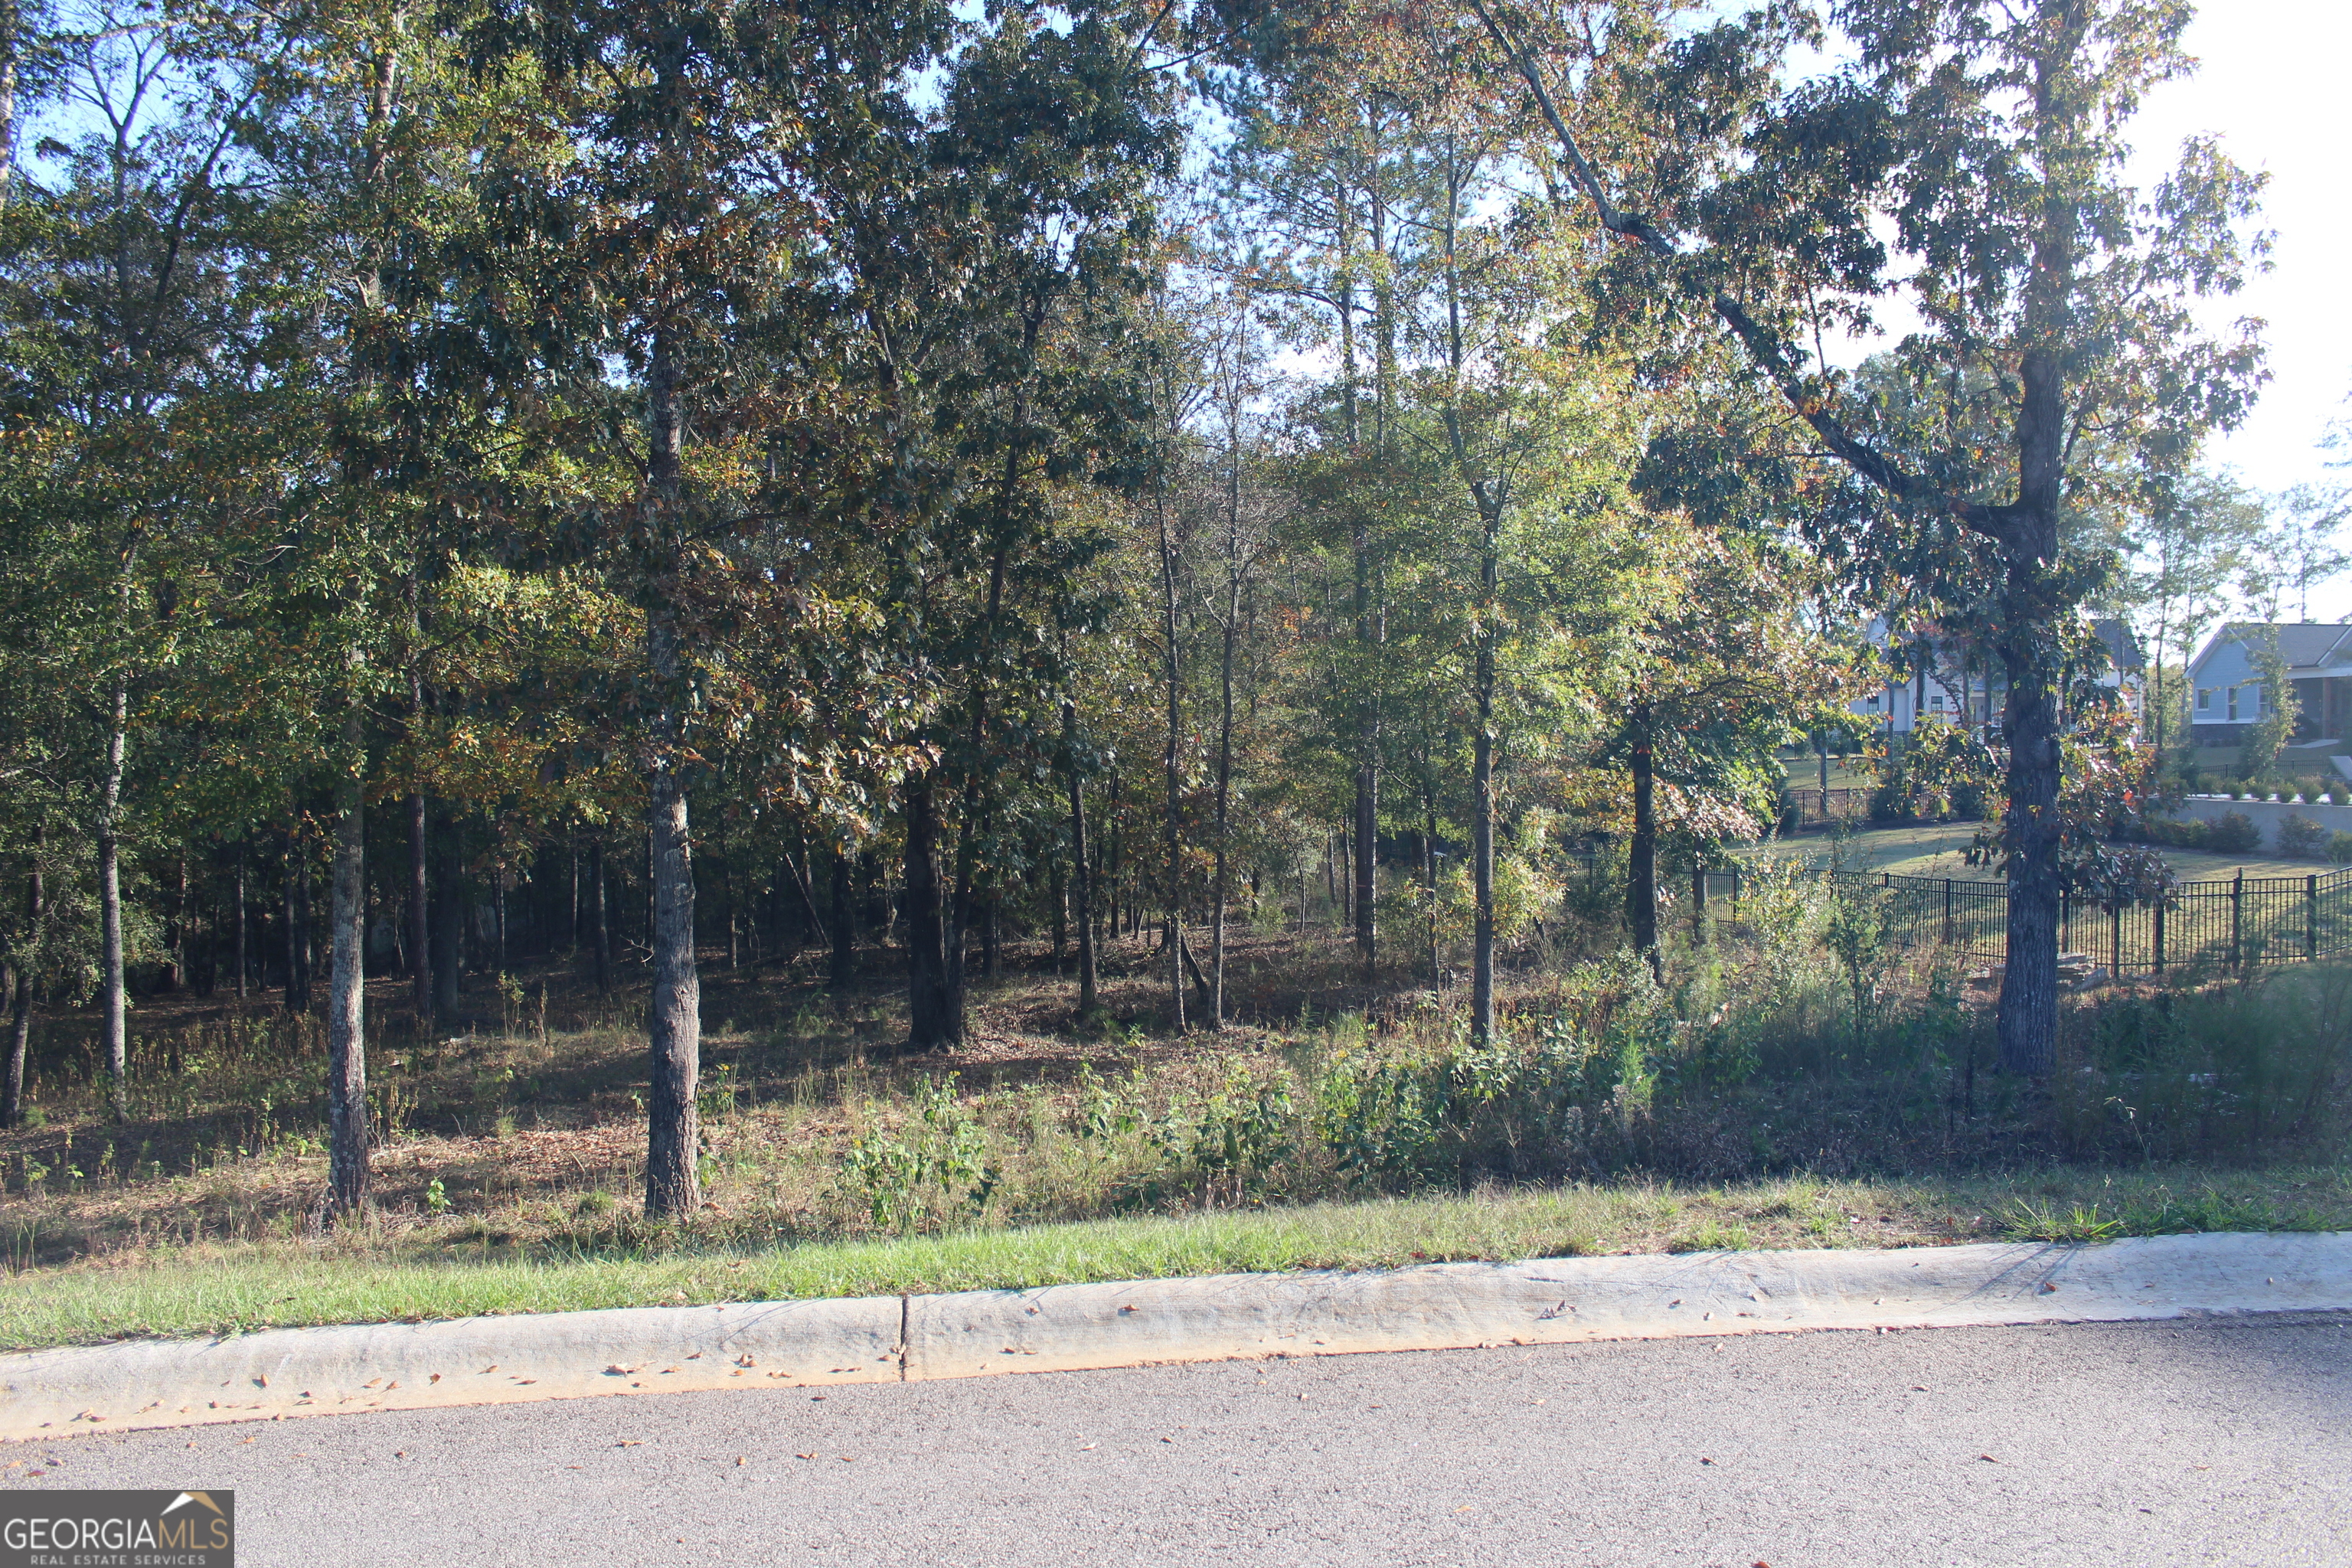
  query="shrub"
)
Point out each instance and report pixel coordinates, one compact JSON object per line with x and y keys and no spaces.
{"x":2339,"y":848}
{"x":2181,"y":834}
{"x":2300,"y":835}
{"x":2235,"y":834}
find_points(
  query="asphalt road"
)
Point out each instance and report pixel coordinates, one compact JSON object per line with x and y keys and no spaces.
{"x":2112,"y":1444}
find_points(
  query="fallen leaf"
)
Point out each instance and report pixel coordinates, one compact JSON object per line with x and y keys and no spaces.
{"x":2048,"y":1289}
{"x":436,"y":1377}
{"x":849,"y":1459}
{"x":630,"y":1442}
{"x":741,"y":1462}
{"x":1987,"y":1458}
{"x":803,"y":1456}
{"x":488,"y":1370}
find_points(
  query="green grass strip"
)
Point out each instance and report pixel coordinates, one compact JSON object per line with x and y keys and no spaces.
{"x":226,"y":1290}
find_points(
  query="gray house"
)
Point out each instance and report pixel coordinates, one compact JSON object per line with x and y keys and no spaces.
{"x":2225,"y":680}
{"x":1965,"y":686}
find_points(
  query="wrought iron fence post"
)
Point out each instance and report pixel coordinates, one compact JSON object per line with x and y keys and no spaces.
{"x":2311,"y":917}
{"x":1734,"y":895}
{"x":2159,"y":936}
{"x":2238,"y":919}
{"x":1947,"y":911}
{"x":2116,"y":941}
{"x":2065,"y":921}
{"x":1699,"y":908}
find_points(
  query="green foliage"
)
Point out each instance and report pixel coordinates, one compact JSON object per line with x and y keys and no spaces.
{"x":2233,"y":833}
{"x":2300,"y":835}
{"x":928,"y":1168}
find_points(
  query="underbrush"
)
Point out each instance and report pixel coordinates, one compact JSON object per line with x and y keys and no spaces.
{"x":1800,"y":1044}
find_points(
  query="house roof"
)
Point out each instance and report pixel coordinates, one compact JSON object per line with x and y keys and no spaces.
{"x":2306,"y":646}
{"x":2122,"y":646}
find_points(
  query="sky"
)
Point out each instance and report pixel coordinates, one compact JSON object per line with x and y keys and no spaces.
{"x":2270,"y":85}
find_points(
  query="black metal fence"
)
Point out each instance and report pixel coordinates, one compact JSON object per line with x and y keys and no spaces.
{"x":2245,"y":920}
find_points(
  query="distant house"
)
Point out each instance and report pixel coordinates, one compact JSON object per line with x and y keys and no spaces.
{"x":2225,"y":680}
{"x":1964,"y":684}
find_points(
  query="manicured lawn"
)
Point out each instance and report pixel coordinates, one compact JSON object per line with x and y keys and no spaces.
{"x":1939,"y":849}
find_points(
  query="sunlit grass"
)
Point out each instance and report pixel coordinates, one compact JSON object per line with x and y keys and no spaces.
{"x":351,"y":1280}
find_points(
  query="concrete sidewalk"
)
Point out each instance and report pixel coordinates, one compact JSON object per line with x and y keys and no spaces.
{"x":282,"y":1372}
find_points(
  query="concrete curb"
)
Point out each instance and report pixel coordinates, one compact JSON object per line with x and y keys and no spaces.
{"x":282,"y":1372}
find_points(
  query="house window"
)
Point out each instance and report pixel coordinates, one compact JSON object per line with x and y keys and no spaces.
{"x":2234,"y":705}
{"x":2204,"y":699}
{"x":1936,"y":701}
{"x":1873,"y":702}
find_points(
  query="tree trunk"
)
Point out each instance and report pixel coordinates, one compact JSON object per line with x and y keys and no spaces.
{"x":843,"y":937}
{"x":1215,"y":1003}
{"x":2028,"y":1020}
{"x":420,"y":916}
{"x":1429,"y":878}
{"x":1642,"y":856}
{"x":602,"y":949}
{"x":1367,"y":851}
{"x":347,"y":1123}
{"x":674,"y":1037}
{"x":244,"y":963}
{"x":1481,"y":795}
{"x":930,"y":1015}
{"x":450,"y":928}
{"x":1081,"y":875}
{"x":1172,"y":763}
{"x":20,"y":1025}
{"x":298,"y":994}
{"x":116,"y":1026}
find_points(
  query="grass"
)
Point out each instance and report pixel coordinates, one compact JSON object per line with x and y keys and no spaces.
{"x":1795,"y":1081}
{"x":1941,"y":849}
{"x":227,"y":1289}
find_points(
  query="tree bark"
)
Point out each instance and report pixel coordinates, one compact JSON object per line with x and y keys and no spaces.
{"x":673,"y":1034}
{"x":298,"y":931}
{"x":1081,"y":875}
{"x":600,"y":953}
{"x":20,"y":1025}
{"x":930,"y":1015}
{"x":347,"y":1123}
{"x":1215,"y":1003}
{"x":1172,"y":763}
{"x":1642,"y":854}
{"x":116,"y":1026}
{"x":244,"y":964}
{"x":842,"y":936}
{"x":449,"y":927}
{"x":420,"y":914}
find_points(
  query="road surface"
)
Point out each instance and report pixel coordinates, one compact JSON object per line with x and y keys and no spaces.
{"x":2126,"y":1444}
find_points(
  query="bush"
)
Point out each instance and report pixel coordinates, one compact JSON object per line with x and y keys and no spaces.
{"x":2235,"y":834}
{"x":2183,"y":834}
{"x":2300,"y":835}
{"x":2339,"y":848}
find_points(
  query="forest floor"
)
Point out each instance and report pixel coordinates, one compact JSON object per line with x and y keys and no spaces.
{"x":509,"y":1168}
